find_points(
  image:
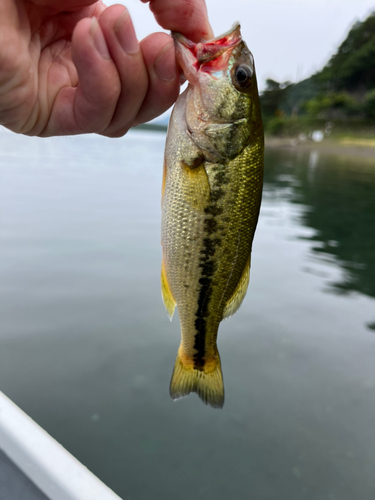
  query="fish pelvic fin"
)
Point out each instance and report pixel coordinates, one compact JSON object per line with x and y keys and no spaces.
{"x":234,"y":302}
{"x":207,"y":382}
{"x":166,"y":293}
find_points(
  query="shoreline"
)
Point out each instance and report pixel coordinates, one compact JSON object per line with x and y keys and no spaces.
{"x":342,"y":147}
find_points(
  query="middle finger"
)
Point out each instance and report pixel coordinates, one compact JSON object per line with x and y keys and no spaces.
{"x":123,"y":46}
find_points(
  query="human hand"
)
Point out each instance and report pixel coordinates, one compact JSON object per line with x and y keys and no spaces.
{"x":75,"y":66}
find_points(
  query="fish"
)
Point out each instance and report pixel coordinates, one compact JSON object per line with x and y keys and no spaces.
{"x":211,"y":196}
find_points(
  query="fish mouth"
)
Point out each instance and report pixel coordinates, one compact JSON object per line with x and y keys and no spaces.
{"x":208,"y":56}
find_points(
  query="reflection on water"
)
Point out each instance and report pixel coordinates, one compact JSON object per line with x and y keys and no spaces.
{"x":337,"y":195}
{"x":87,"y":350}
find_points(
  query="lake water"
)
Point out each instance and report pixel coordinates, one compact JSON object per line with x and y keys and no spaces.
{"x":87,"y":350}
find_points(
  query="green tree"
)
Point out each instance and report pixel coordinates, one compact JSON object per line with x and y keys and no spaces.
{"x":273,"y":98}
{"x":352,"y":67}
{"x":332,"y":105}
{"x":370,"y":104}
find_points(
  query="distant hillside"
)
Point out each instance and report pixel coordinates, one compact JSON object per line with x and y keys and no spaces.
{"x":352,"y":68}
{"x":343,"y":89}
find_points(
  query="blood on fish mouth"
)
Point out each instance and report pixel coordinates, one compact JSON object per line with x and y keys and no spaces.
{"x":212,"y":55}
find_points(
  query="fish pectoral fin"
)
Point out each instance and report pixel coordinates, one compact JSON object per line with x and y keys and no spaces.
{"x":166,"y":293}
{"x":206,"y":382}
{"x":196,"y":186}
{"x":236,"y":299}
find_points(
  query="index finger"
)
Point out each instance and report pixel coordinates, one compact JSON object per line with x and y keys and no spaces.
{"x":188,"y":17}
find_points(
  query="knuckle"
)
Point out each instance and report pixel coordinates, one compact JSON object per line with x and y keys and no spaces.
{"x":11,"y":55}
{"x":17,"y":82}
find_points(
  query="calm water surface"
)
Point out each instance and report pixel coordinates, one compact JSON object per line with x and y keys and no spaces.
{"x":87,"y":350}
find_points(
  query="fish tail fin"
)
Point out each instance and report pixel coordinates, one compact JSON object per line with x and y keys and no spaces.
{"x":206,"y":382}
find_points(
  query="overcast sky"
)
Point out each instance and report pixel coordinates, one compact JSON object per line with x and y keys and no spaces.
{"x":290,"y":39}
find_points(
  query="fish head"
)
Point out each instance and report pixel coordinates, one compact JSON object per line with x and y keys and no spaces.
{"x":221,"y":74}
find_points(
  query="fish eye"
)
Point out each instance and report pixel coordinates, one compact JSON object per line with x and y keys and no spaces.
{"x":242,"y":77}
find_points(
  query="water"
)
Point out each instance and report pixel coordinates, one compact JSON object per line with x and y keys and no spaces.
{"x":87,"y":350}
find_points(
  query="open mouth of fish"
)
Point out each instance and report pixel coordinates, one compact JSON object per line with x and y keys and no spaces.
{"x":209,"y":56}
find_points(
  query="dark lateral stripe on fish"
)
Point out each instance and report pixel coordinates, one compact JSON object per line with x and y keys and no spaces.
{"x":205,"y":292}
{"x":208,"y":265}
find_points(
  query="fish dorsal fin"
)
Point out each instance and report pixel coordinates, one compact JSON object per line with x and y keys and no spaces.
{"x":236,"y":299}
{"x":166,"y":293}
{"x":196,"y":185}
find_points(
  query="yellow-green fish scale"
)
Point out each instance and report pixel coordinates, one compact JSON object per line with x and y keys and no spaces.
{"x":210,"y":213}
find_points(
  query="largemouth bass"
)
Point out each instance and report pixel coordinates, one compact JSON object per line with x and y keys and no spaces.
{"x":212,"y":187}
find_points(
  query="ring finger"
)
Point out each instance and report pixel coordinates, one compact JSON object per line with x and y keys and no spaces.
{"x":124,"y":48}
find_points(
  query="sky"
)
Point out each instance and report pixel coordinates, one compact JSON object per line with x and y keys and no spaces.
{"x":290,"y":39}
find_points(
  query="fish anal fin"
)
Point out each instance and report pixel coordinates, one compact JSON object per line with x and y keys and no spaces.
{"x":196,"y":185}
{"x":166,"y":293}
{"x":207,"y":382}
{"x":236,"y":299}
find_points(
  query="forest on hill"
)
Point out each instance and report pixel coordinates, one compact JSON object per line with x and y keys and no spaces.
{"x":342,"y":94}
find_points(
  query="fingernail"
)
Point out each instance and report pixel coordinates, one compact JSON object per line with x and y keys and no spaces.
{"x":125,"y":33}
{"x":165,"y":64}
{"x":99,"y":40}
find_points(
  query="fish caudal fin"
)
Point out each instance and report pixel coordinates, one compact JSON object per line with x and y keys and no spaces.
{"x":206,"y":382}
